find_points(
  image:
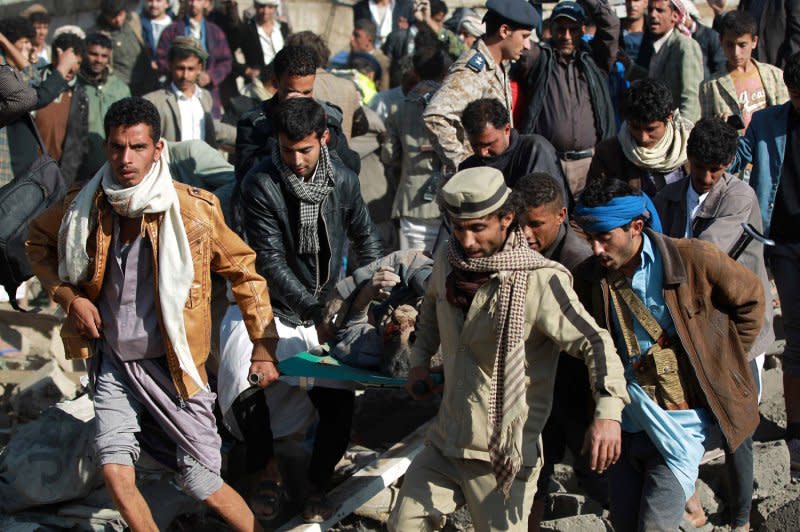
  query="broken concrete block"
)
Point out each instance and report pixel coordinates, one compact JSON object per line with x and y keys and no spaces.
{"x":772,"y":384}
{"x":785,"y":518}
{"x":770,"y":468}
{"x":764,"y":509}
{"x":45,"y":387}
{"x":564,"y":475}
{"x":577,"y":523}
{"x":708,"y":499}
{"x":561,"y":505}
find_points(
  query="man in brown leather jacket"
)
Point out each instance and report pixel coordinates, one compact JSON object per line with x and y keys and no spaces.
{"x":129,"y":258}
{"x":683,"y":316}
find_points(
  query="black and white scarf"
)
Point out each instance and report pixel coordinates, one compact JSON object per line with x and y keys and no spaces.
{"x":309,"y":193}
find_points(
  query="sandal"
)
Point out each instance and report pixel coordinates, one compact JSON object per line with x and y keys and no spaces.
{"x":267,"y":500}
{"x":317,"y":508}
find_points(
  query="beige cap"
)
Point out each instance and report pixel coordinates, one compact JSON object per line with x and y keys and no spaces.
{"x":475,"y":192}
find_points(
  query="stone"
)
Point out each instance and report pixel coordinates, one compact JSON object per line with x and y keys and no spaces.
{"x":778,"y":505}
{"x":560,"y":505}
{"x":45,"y":387}
{"x":785,"y":518}
{"x":770,"y":468}
{"x":564,"y":475}
{"x":772,"y":384}
{"x":577,"y":523}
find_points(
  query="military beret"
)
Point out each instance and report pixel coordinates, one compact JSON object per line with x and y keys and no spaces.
{"x":571,"y":10}
{"x":190,"y":44}
{"x":517,"y":11}
{"x":475,"y":192}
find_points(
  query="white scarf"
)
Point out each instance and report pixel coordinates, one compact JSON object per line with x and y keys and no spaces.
{"x":669,"y":152}
{"x":154,"y":194}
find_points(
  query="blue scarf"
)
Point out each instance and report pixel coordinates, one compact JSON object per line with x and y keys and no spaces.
{"x":616,"y":213}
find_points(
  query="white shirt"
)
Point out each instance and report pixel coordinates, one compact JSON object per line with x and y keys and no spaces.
{"x":693,"y":203}
{"x":196,"y":29}
{"x":270,"y":44}
{"x":382,"y":15}
{"x":158,"y":27}
{"x":191,"y":114}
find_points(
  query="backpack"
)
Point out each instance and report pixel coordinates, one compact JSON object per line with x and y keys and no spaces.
{"x":22,"y":200}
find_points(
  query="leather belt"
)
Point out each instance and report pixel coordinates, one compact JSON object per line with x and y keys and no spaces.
{"x":575,"y":155}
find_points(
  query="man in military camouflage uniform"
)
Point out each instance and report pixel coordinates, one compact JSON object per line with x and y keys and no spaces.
{"x":481,"y":72}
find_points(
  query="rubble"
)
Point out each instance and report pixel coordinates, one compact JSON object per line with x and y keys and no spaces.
{"x":577,"y":523}
{"x":44,"y":387}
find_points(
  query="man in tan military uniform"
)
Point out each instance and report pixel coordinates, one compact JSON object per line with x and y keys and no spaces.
{"x":481,"y":72}
{"x":501,"y":313}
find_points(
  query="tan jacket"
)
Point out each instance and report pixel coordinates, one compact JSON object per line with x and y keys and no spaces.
{"x":554,"y":321}
{"x":215,"y":248}
{"x":718,"y":95}
{"x":166,"y":102}
{"x":473,"y":76}
{"x":341,"y":93}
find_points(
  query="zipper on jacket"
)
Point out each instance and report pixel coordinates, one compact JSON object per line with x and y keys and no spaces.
{"x":319,"y":286}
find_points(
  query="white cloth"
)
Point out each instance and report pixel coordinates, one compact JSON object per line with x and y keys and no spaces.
{"x":693,"y":203}
{"x":270,"y":44}
{"x":418,"y":233}
{"x":196,"y":29}
{"x":191,"y":114}
{"x":382,"y":15}
{"x":154,"y":194}
{"x":158,"y":27}
{"x":290,"y":408}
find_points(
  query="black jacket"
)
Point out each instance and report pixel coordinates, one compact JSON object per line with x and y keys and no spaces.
{"x":271,"y":221}
{"x":525,"y":154}
{"x":254,"y":137}
{"x":402,"y":8}
{"x":250,"y":43}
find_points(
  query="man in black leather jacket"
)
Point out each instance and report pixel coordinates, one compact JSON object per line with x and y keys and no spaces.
{"x":294,"y":68}
{"x":300,"y":207}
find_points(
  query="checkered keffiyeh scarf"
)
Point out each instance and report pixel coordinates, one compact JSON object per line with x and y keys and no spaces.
{"x":310,"y":195}
{"x":508,"y":408}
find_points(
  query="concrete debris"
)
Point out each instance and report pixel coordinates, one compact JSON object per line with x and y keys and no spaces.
{"x":770,"y":468}
{"x":560,"y":505}
{"x":46,"y":386}
{"x":577,"y":523}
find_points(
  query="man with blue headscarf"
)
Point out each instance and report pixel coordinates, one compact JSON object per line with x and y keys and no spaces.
{"x":683,"y":315}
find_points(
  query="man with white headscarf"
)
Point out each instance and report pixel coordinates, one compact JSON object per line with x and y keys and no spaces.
{"x":129,"y":257}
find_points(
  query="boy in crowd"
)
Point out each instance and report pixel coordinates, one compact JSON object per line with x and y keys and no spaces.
{"x":747,"y":85}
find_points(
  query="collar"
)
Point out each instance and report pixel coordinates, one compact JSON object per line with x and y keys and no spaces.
{"x":562,"y":234}
{"x":181,"y":96}
{"x":480,"y":45}
{"x":659,"y":43}
{"x":648,"y":256}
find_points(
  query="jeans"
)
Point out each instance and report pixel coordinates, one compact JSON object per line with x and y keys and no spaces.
{"x":740,"y":471}
{"x":644,"y":493}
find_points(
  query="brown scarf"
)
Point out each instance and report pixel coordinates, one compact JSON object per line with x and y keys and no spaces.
{"x":508,"y":408}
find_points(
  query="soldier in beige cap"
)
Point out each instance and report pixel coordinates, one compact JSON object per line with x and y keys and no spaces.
{"x":501,"y":312}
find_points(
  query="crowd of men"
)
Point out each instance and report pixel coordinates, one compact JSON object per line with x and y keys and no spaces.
{"x":552,"y":207}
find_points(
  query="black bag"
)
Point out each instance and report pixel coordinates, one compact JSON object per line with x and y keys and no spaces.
{"x":22,"y":200}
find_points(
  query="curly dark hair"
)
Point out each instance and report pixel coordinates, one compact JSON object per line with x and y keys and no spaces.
{"x":313,"y":41}
{"x":484,"y":111}
{"x":131,"y":111}
{"x":296,"y":61}
{"x":791,"y":72}
{"x":535,"y":190}
{"x":68,"y":40}
{"x":99,"y":39}
{"x":297,"y":118}
{"x":40,"y":17}
{"x":647,"y":101}
{"x":16,"y":28}
{"x":712,"y":141}
{"x":737,"y":23}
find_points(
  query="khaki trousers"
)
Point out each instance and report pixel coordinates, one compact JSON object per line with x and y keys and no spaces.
{"x":435,"y":485}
